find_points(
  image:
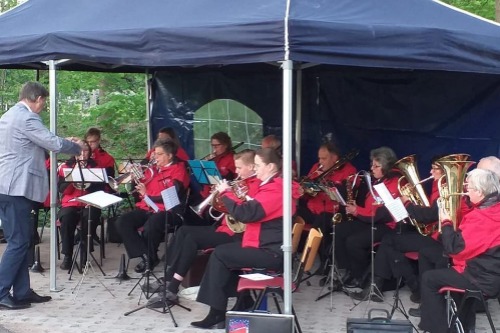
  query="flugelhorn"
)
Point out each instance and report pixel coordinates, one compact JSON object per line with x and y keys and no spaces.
{"x":455,"y":168}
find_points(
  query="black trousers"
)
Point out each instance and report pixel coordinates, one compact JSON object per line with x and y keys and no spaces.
{"x":433,"y":306}
{"x":222,"y":273}
{"x":390,"y":260}
{"x":70,"y":217}
{"x":154,"y":225}
{"x":187,"y":241}
{"x":432,"y":257}
{"x":353,"y":242}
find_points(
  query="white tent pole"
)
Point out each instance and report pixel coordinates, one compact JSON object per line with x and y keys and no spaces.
{"x":148,"y":108}
{"x":53,"y":176}
{"x":298,"y":119}
{"x":287,"y":183}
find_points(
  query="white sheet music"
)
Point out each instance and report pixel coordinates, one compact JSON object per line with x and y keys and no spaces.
{"x":99,"y":199}
{"x":395,"y":206}
{"x":90,"y":175}
{"x":151,"y":204}
{"x":170,"y":198}
{"x":397,"y":209}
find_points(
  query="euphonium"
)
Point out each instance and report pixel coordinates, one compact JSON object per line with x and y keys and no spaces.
{"x":413,"y":189}
{"x":455,"y":170}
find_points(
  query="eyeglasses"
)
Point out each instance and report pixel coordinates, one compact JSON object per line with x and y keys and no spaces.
{"x":375,"y":166}
{"x":216,"y":144}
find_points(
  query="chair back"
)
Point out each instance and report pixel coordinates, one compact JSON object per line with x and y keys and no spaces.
{"x":309,"y":254}
{"x":297,"y":229}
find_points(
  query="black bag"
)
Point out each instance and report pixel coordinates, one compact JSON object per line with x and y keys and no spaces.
{"x":112,"y":234}
{"x":378,"y":324}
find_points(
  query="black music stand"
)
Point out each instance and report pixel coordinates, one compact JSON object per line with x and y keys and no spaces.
{"x":171,"y":200}
{"x":83,"y":176}
{"x":99,"y":199}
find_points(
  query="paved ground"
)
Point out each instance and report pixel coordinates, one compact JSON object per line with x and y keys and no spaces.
{"x":95,"y":310}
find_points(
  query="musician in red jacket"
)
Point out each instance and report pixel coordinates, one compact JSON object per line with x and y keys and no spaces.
{"x":223,"y":157}
{"x":166,"y":173}
{"x":320,"y":207}
{"x":474,"y":249}
{"x":353,"y":239}
{"x":189,"y":239}
{"x":72,"y":212}
{"x":390,"y":260}
{"x":261,"y":243}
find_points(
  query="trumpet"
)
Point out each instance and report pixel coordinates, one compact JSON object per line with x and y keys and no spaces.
{"x":138,"y":173}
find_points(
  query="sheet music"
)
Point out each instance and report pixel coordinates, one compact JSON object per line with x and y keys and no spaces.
{"x":99,"y":199}
{"x":397,"y":209}
{"x":170,"y":198}
{"x":383,"y":192}
{"x":395,"y":206}
{"x":256,"y":276}
{"x":151,"y":204}
{"x":90,"y":175}
{"x":338,"y":196}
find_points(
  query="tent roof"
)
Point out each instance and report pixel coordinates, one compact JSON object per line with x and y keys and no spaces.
{"x":125,"y":34}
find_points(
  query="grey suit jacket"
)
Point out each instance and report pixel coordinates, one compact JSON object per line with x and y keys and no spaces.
{"x":23,"y":139}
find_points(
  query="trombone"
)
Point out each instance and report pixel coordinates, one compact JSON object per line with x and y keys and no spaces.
{"x":212,"y":155}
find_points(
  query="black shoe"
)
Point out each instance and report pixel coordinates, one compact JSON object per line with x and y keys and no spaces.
{"x":218,"y":321}
{"x":415,"y":297}
{"x":8,"y":303}
{"x":33,"y":297}
{"x":352,"y":282}
{"x":141,"y":267}
{"x":66,"y":264}
{"x":414,"y":312}
{"x":244,"y":304}
{"x":363,"y":296}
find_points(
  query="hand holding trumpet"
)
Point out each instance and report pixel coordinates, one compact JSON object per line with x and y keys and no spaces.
{"x":222,"y":186}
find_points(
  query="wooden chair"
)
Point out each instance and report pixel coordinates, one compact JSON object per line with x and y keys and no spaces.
{"x":297,"y":229}
{"x":275,"y":285}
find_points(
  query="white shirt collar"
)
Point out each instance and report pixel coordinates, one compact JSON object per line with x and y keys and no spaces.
{"x":26,"y":105}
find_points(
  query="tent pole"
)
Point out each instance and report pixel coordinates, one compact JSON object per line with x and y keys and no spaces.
{"x":287,"y":67}
{"x":53,"y":176}
{"x":298,"y":119}
{"x":148,"y":107}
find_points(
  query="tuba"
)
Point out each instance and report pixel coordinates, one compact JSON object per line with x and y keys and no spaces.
{"x":455,"y":168}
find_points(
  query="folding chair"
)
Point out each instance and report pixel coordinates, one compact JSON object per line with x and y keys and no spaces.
{"x":275,"y":285}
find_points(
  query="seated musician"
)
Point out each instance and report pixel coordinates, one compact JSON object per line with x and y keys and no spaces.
{"x":189,"y":239}
{"x":390,"y":260}
{"x":168,"y":133}
{"x":103,"y":160}
{"x":354,"y":238}
{"x":223,"y":157}
{"x":261,"y":243}
{"x":431,"y":256}
{"x":73,"y":212}
{"x":474,"y":248}
{"x":319,"y":207}
{"x":167,"y":172}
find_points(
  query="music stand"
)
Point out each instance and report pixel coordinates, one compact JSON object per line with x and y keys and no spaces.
{"x":170,"y":200}
{"x":205,"y":172}
{"x":100,"y":200}
{"x":83,"y":176}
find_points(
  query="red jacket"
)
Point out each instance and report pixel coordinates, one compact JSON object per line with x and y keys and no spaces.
{"x":263,"y":215}
{"x":174,"y":174}
{"x":253,"y":186}
{"x":68,"y":190}
{"x":377,"y":211}
{"x":321,"y":202}
{"x":104,"y":160}
{"x":475,"y":245}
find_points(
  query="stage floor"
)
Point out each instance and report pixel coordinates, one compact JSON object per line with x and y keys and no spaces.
{"x":95,"y":310}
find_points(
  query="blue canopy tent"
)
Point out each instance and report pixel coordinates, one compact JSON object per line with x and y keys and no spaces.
{"x":378,"y":64}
